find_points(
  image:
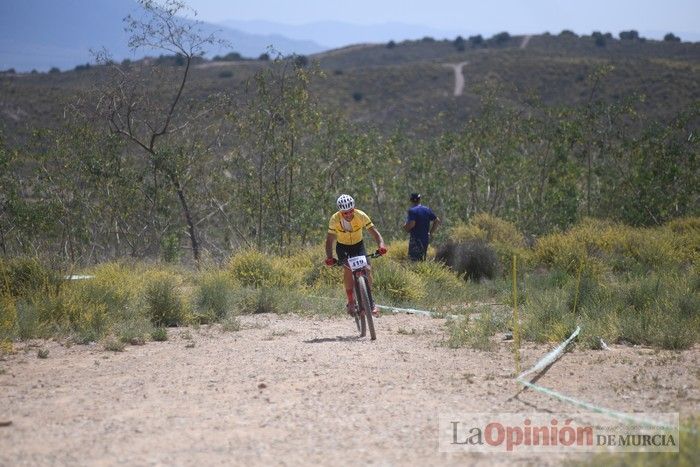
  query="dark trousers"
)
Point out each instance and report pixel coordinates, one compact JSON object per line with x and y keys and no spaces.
{"x":417,"y":249}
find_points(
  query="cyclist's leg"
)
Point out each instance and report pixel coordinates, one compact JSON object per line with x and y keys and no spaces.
{"x":344,"y":252}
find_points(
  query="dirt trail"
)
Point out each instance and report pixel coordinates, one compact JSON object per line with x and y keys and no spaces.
{"x":459,"y":77}
{"x":298,"y":391}
{"x":525,"y":41}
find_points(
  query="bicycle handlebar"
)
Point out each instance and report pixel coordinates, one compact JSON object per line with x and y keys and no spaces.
{"x":376,"y":254}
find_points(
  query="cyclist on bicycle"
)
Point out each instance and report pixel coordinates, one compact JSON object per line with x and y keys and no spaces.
{"x":345,"y":228}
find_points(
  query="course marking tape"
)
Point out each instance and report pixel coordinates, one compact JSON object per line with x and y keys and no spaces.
{"x":550,"y":358}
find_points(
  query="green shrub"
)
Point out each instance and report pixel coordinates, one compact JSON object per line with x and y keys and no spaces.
{"x":437,"y":276}
{"x":475,"y":333}
{"x":24,"y":277}
{"x":164,"y":305}
{"x":253,"y":268}
{"x":604,"y":245}
{"x":396,"y":282}
{"x":159,"y":334}
{"x":267,"y":300}
{"x":133,"y":330}
{"x":27,"y":320}
{"x":546,"y":316}
{"x":91,"y":323}
{"x":8,"y":321}
{"x":113,"y":345}
{"x":214,"y":296}
{"x":502,"y":236}
{"x":231,"y":324}
{"x":114,"y":285}
{"x":472,"y":259}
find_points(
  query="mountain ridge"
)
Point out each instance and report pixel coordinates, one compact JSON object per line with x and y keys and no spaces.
{"x":30,"y":40}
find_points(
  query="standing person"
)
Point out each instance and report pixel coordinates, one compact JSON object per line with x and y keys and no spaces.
{"x":345,"y":229}
{"x":421,"y":223}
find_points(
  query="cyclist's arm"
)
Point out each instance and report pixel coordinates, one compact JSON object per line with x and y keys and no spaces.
{"x":377,"y":236}
{"x":330,"y":239}
{"x":408,"y":226}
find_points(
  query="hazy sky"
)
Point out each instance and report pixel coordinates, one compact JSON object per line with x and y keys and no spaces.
{"x":514,"y":16}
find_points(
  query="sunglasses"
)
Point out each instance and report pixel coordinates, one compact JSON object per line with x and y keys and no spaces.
{"x":349,"y":211}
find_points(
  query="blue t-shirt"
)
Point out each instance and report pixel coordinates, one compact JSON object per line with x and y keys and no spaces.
{"x":423,"y":216}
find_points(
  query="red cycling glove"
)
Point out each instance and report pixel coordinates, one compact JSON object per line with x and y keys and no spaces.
{"x":382,"y":250}
{"x":331,"y":261}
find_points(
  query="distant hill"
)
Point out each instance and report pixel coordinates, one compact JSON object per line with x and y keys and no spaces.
{"x":41,"y":34}
{"x":411,"y":83}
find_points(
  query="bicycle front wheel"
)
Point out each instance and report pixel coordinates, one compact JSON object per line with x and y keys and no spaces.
{"x":366,"y":305}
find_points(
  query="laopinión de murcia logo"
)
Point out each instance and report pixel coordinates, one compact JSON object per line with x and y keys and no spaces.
{"x":537,"y":432}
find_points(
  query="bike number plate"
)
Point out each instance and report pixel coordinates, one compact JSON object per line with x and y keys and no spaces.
{"x":357,"y":262}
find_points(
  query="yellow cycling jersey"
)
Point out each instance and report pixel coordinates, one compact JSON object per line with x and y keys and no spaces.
{"x":349,"y":232}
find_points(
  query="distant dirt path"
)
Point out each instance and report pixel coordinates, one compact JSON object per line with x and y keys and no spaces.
{"x":459,"y":77}
{"x":525,"y":42}
{"x":300,"y":391}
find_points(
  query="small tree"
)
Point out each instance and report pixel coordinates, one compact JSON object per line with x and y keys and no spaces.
{"x":501,"y":37}
{"x":476,"y":40}
{"x":670,"y":37}
{"x":598,"y":38}
{"x":630,"y":35}
{"x":459,"y":43}
{"x":160,"y":127}
{"x":567,"y":33}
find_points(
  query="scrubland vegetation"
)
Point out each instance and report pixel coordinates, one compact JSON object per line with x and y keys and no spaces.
{"x":620,"y":284}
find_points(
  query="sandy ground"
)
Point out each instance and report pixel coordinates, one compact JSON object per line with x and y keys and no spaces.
{"x":297,"y":391}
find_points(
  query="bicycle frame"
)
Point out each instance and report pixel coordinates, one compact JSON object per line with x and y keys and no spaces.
{"x":364,"y":302}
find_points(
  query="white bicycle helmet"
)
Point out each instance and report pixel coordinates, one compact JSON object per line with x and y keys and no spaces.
{"x":345,"y":202}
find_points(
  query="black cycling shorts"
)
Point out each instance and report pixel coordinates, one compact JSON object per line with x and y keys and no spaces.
{"x":348,"y":251}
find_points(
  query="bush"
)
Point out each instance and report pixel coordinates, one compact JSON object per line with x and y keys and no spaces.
{"x":114,"y":285}
{"x":396,"y":282}
{"x":502,"y":236}
{"x":24,"y":277}
{"x":8,"y":320}
{"x":599,"y":39}
{"x":501,"y":37}
{"x":159,"y":334}
{"x":113,"y":345}
{"x":476,"y":40}
{"x":473,"y":259}
{"x":133,"y":330}
{"x":670,"y":37}
{"x":630,"y":35}
{"x":547,"y":317}
{"x":164,"y":305}
{"x":214,"y":296}
{"x":267,"y":300}
{"x":256,"y":269}
{"x":602,"y":245}
{"x":475,"y":333}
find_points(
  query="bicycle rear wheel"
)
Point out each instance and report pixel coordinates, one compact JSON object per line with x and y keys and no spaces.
{"x":365,"y":305}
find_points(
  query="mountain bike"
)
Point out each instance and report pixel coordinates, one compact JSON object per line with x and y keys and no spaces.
{"x":363,"y":293}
